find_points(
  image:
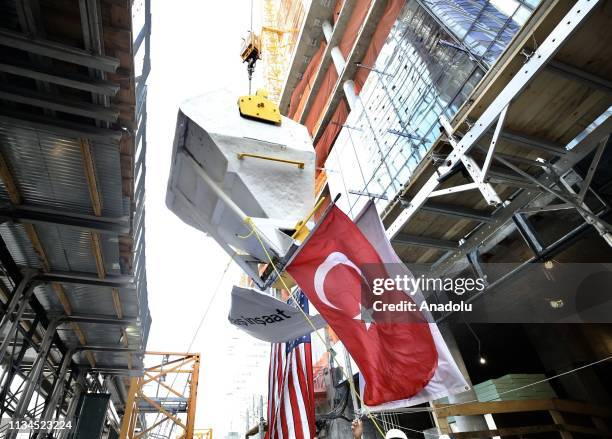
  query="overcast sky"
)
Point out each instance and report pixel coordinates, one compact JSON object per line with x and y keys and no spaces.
{"x":195,"y":49}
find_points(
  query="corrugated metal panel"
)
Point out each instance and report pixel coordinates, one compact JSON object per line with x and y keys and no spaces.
{"x":89,"y":299}
{"x":110,"y":250}
{"x":108,"y":165}
{"x":129,"y":303}
{"x":48,"y":299}
{"x":76,"y":245}
{"x":48,"y":170}
{"x":19,"y":245}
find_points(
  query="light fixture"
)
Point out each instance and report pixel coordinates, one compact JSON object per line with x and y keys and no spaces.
{"x":481,"y":359}
{"x":549,"y":264}
{"x":556,"y":303}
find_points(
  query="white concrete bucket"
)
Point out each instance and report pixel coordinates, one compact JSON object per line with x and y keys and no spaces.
{"x":226,"y":168}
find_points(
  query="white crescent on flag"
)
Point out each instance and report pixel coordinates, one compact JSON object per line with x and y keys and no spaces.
{"x":333,"y":259}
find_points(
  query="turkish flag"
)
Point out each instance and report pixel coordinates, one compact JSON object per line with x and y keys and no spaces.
{"x":334,"y":267}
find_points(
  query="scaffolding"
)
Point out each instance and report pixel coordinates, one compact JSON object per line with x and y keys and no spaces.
{"x":163,"y":398}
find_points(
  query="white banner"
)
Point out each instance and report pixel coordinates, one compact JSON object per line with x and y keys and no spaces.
{"x":267,"y":318}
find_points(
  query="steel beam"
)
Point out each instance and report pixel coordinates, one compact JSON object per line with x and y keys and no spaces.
{"x":31,"y":383}
{"x":553,"y":148}
{"x":126,"y":282}
{"x":543,"y":145}
{"x":509,"y":179}
{"x":575,"y":74}
{"x":545,"y":52}
{"x":457,"y":211}
{"x":36,"y":215}
{"x":577,"y":149}
{"x":36,"y":99}
{"x":100,"y":319}
{"x":493,"y":145}
{"x":58,"y":51}
{"x":471,"y":166}
{"x":57,"y":391}
{"x":100,"y":348}
{"x":15,"y":308}
{"x":424,"y":241}
{"x":516,"y":159}
{"x":64,"y":128}
{"x":528,"y":233}
{"x":592,"y":168}
{"x":80,"y":83}
{"x":78,"y":387}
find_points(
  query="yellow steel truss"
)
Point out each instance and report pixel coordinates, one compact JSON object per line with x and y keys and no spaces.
{"x":162,"y":378}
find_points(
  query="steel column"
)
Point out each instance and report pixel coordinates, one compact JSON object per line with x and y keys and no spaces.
{"x":77,"y":389}
{"x":31,"y":382}
{"x":57,"y":391}
{"x":17,"y":306}
{"x":528,"y":233}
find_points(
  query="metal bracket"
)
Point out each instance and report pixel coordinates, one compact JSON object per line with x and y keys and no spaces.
{"x":470,"y":164}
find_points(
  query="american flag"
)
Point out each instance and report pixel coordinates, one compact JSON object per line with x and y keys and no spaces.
{"x":291,"y":389}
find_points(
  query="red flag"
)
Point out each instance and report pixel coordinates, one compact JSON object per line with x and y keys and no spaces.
{"x":396,"y":359}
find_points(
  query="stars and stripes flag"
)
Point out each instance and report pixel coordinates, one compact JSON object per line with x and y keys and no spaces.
{"x":291,"y":388}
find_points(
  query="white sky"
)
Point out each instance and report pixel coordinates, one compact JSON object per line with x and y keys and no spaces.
{"x":195,"y":48}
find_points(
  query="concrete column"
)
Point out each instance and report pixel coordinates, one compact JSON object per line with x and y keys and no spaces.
{"x":336,"y":54}
{"x":463,"y":423}
{"x":338,"y":59}
{"x":351,"y":96}
{"x":327,"y":30}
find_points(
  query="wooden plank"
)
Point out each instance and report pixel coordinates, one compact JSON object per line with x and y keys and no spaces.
{"x":493,"y":407}
{"x":558,"y":419}
{"x":96,"y":249}
{"x":582,"y":430}
{"x":30,"y":230}
{"x":90,"y":174}
{"x":9,"y":182}
{"x":117,"y":303}
{"x":513,"y":431}
{"x":583,"y":408}
{"x":62,"y":297}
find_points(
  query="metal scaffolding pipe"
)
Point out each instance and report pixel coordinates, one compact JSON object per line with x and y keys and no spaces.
{"x":34,"y":375}
{"x":56,"y":392}
{"x":17,"y":305}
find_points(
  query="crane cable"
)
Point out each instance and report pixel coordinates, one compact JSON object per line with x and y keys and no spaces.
{"x":250,"y":68}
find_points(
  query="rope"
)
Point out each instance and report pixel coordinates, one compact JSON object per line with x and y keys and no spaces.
{"x":250,"y":222}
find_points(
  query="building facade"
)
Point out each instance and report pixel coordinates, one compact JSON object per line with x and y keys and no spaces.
{"x":373,"y":82}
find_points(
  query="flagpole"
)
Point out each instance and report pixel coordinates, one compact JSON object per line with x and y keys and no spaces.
{"x":261,"y":418}
{"x":291,"y":256}
{"x":349,"y":373}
